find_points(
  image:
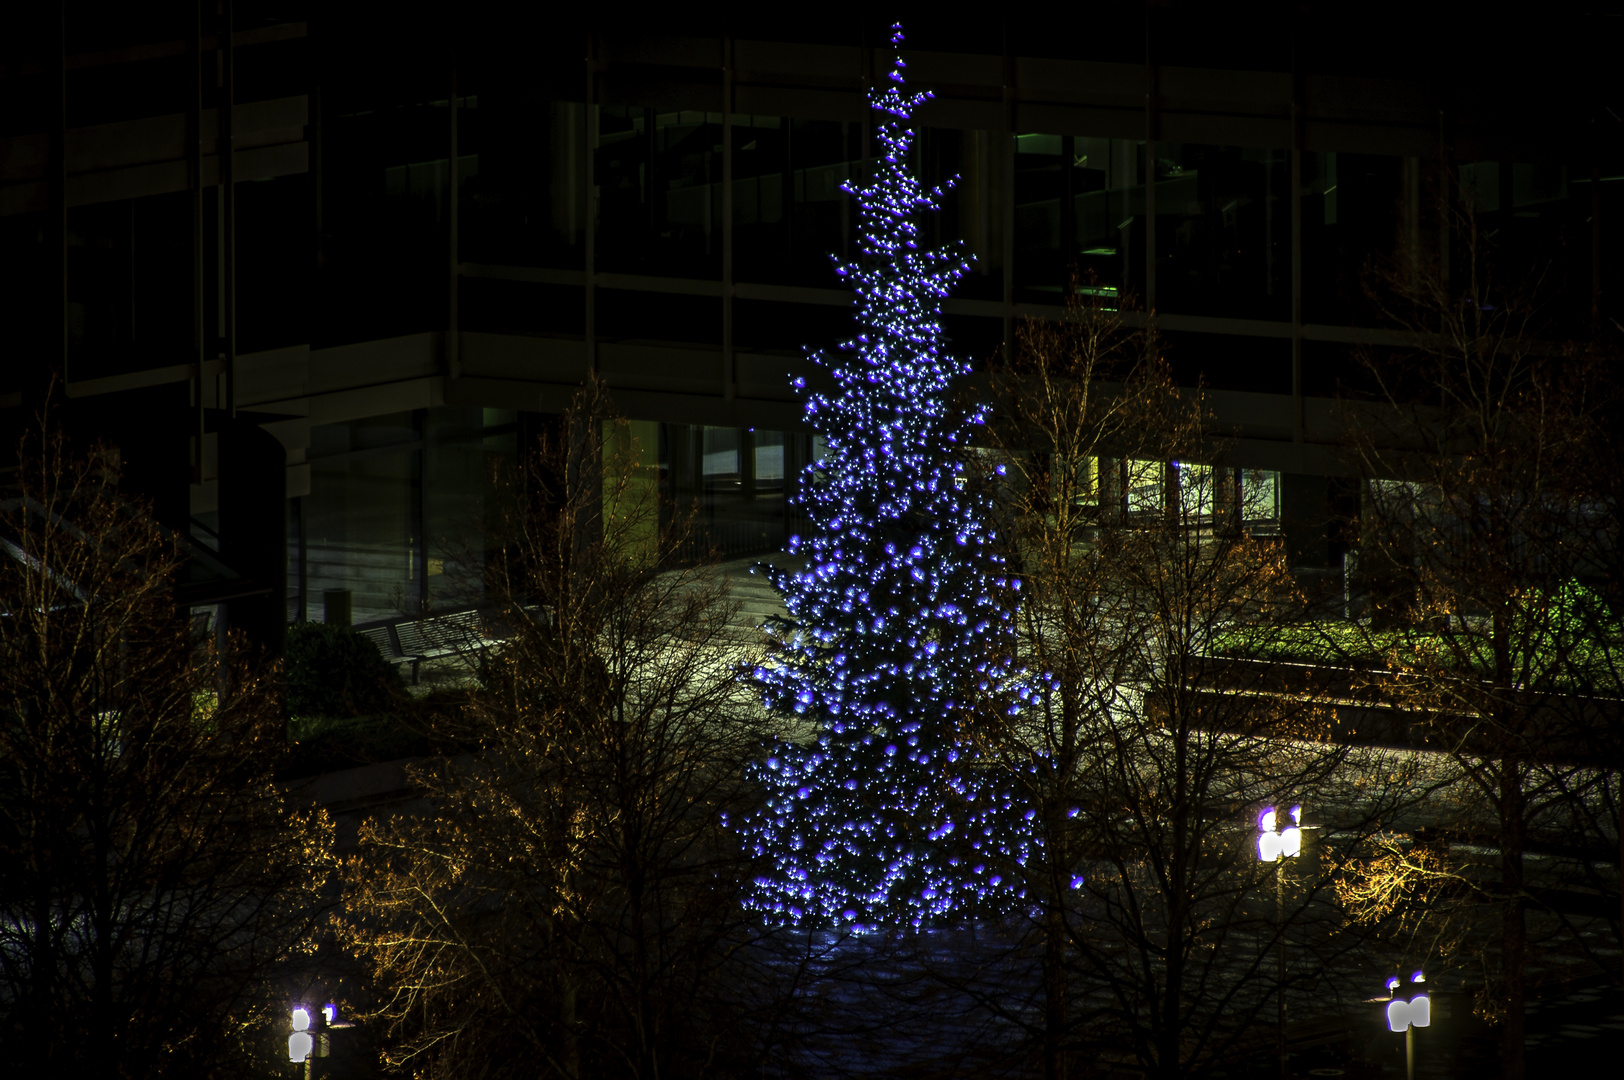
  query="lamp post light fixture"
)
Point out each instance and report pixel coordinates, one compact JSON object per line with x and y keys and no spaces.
{"x":1408,"y":1008}
{"x":300,"y":1043}
{"x":311,"y":1025}
{"x":1276,"y":845}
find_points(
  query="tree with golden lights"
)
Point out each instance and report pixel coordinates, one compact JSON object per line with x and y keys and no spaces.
{"x":1489,"y":566}
{"x":156,"y":889}
{"x":565,"y":902}
{"x":1160,"y":728}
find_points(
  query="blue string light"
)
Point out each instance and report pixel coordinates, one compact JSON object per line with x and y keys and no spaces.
{"x":899,"y":632}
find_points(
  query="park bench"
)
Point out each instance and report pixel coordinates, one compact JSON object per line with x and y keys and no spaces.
{"x":412,"y":641}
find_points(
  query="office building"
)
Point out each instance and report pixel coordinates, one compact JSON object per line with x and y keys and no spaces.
{"x":313,"y":266}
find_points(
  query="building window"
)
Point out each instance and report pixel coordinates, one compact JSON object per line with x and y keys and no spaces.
{"x":658,"y":181}
{"x":1223,"y":231}
{"x":737,"y":481}
{"x":1079,"y":205}
{"x":399,"y":510}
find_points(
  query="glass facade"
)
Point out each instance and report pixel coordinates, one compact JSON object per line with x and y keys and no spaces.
{"x":1144,"y":486}
{"x":658,"y":180}
{"x":124,"y":312}
{"x":498,"y":306}
{"x":775,"y":326}
{"x":355,"y":244}
{"x":1353,"y":215}
{"x":1226,"y":496}
{"x":821,"y":155}
{"x":1521,"y":209}
{"x":397,"y":512}
{"x":637,"y":315}
{"x":1079,"y":203}
{"x":23,"y":291}
{"x":735,"y":480}
{"x":385,"y":192}
{"x":762,"y":178}
{"x":375,"y":130}
{"x":363,"y":517}
{"x":399,"y":505}
{"x":1229,"y":361}
{"x":461,"y":448}
{"x":1223,"y":231}
{"x":539,"y":176}
{"x":274,"y":245}
{"x":525,"y":204}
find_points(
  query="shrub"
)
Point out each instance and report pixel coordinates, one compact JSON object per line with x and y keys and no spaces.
{"x":333,"y":671}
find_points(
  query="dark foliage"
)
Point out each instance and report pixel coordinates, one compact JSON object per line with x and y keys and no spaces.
{"x":333,"y":671}
{"x":154,"y":886}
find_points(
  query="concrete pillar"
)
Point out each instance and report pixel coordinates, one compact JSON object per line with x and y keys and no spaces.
{"x":1304,"y":514}
{"x":253,"y":529}
{"x":150,"y":426}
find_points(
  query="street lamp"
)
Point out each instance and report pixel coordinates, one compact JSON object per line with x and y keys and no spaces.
{"x":1408,"y":1008}
{"x":1276,"y":845}
{"x":1273,"y":845}
{"x":300,"y":1044}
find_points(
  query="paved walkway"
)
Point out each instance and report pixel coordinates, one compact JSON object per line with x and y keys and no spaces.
{"x":1575,"y":1015}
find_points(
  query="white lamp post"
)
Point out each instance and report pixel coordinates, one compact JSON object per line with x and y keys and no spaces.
{"x":1276,"y":845}
{"x":1408,"y":1008}
{"x":300,"y":1043}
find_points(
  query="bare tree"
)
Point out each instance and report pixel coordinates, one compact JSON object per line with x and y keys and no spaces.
{"x":565,"y":902}
{"x":153,"y":884}
{"x":1147,"y":752}
{"x":1488,"y":553}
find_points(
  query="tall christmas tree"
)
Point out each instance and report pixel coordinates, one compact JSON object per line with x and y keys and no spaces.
{"x":899,"y":629}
